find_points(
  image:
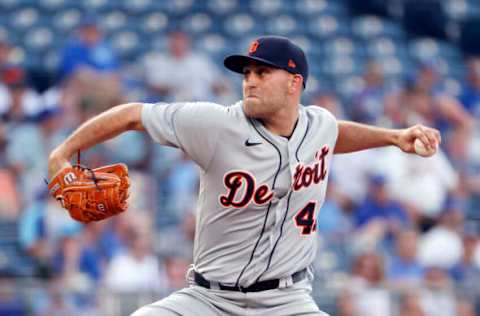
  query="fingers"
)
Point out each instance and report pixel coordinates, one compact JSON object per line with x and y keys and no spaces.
{"x":430,"y":137}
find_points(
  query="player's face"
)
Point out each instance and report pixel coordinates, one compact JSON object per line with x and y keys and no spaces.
{"x":265,"y":90}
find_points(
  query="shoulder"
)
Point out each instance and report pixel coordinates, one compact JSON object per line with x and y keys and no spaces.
{"x":319,"y":113}
{"x":198,"y":112}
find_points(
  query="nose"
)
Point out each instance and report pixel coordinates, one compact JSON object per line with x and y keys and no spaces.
{"x":250,"y":79}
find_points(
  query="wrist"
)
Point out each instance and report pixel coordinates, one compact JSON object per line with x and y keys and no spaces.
{"x":394,"y":137}
{"x":57,"y":161}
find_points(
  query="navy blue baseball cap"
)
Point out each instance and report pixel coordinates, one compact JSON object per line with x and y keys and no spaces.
{"x":274,"y":51}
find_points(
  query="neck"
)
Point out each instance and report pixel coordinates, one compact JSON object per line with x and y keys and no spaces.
{"x":283,"y":122}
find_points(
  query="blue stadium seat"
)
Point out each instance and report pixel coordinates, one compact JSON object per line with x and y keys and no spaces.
{"x":341,"y":65}
{"x":180,"y":6}
{"x":459,"y":10}
{"x":346,"y":86}
{"x":142,"y":6}
{"x":428,"y":48}
{"x":313,"y":8}
{"x":211,"y":43}
{"x":283,"y":25}
{"x":8,"y":6}
{"x":327,"y":26}
{"x":97,"y":5}
{"x":343,"y":45}
{"x":222,"y":7}
{"x":385,"y":46}
{"x":269,"y":8}
{"x":125,"y":43}
{"x":391,"y":66}
{"x":154,"y":23}
{"x":52,"y":59}
{"x":370,"y":26}
{"x":197,"y":23}
{"x":52,"y":6}
{"x":65,"y":21}
{"x":242,"y":24}
{"x":38,"y":39}
{"x":453,"y":86}
{"x":24,"y":18}
{"x":113,"y":20}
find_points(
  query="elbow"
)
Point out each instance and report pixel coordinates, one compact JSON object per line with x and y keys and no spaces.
{"x":132,"y":113}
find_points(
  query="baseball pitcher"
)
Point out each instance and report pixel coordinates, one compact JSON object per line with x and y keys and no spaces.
{"x":264,"y":164}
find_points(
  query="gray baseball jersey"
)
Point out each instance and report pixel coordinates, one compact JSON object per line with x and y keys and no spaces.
{"x":259,"y":192}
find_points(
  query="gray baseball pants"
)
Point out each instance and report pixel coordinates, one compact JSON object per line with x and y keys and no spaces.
{"x":199,"y":301}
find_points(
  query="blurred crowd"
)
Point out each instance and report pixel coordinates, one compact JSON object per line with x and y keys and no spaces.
{"x":398,"y":234}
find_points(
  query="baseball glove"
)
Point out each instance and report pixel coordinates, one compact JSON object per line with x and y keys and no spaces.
{"x":91,"y":194}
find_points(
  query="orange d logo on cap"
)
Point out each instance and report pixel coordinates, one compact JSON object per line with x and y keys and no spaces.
{"x":253,"y":47}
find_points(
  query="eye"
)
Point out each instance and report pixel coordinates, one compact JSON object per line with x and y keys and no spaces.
{"x":262,"y":71}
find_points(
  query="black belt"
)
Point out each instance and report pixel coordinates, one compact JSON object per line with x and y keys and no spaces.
{"x":255,"y":287}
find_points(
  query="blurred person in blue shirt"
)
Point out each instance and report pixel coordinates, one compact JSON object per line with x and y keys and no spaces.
{"x":403,"y":269}
{"x":471,"y":93}
{"x":333,"y":221}
{"x":87,"y":50}
{"x":368,"y":105}
{"x":379,"y":217}
{"x":380,"y":206}
{"x":466,"y":272}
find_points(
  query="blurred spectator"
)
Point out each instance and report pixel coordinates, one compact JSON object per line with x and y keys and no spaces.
{"x":465,"y":307}
{"x":58,"y":302}
{"x":410,"y":305}
{"x":442,"y":245}
{"x":421,"y":101}
{"x":333,"y":221}
{"x":5,"y":52}
{"x":28,"y":148}
{"x":18,"y":102}
{"x":328,"y":100}
{"x":437,"y":295}
{"x":78,"y":260}
{"x":471,"y":93}
{"x":87,"y":49}
{"x":130,"y":148}
{"x":345,"y":304}
{"x":10,"y":301}
{"x":379,"y":218}
{"x":403,"y":268}
{"x":367,"y":285}
{"x":466,"y":273}
{"x":180,"y":75}
{"x":368,"y":106}
{"x":138,"y":269}
{"x":176,"y":269}
{"x":177,"y":240}
{"x":421,"y":184}
{"x":182,"y":183}
{"x":41,"y":227}
{"x":89,"y":71}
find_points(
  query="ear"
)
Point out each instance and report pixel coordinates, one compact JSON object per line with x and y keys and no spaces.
{"x":295,"y":84}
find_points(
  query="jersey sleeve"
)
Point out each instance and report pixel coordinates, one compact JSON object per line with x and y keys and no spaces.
{"x":331,"y":121}
{"x":193,"y":127}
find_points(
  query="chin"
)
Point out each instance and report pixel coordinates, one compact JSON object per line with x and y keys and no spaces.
{"x":251,"y":109}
